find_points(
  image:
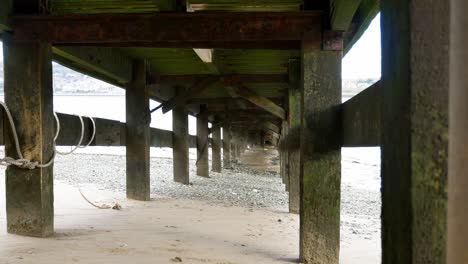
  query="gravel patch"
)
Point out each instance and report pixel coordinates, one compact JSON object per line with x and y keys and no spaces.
{"x":239,"y":186}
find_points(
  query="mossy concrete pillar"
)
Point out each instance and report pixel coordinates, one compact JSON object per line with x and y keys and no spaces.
{"x":458,"y":135}
{"x":415,"y":81}
{"x":138,"y":134}
{"x":320,"y":156}
{"x":29,"y":96}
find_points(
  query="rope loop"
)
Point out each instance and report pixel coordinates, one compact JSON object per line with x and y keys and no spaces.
{"x":23,"y":163}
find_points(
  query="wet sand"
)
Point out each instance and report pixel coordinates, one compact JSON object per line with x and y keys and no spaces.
{"x":223,"y":226}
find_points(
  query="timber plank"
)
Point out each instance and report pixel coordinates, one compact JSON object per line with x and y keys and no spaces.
{"x":209,"y":30}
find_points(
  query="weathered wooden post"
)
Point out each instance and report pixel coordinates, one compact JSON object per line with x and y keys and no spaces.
{"x":227,"y":146}
{"x":29,"y":96}
{"x":138,"y":134}
{"x":238,"y":148}
{"x":180,"y":141}
{"x":415,"y":80}
{"x":234,"y":151}
{"x":216,"y":150}
{"x":294,"y":119}
{"x":284,"y":154}
{"x":202,"y":143}
{"x":458,"y":128}
{"x":321,"y":155}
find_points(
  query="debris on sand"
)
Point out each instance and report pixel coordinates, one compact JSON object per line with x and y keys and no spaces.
{"x":176,"y":259}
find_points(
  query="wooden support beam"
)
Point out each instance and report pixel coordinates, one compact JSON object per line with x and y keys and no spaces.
{"x":260,"y":101}
{"x":202,"y":143}
{"x":5,"y":9}
{"x":284,"y":164}
{"x":216,"y":150}
{"x":138,"y":135}
{"x":183,"y":30}
{"x":321,"y":156}
{"x":342,"y":13}
{"x":294,"y":119}
{"x":270,"y":126}
{"x":110,"y":6}
{"x":457,"y":237}
{"x":193,"y":91}
{"x":107,"y":64}
{"x":227,"y":146}
{"x":108,"y":133}
{"x":216,"y":125}
{"x":415,"y":86}
{"x":232,"y":78}
{"x":181,"y":144}
{"x":363,"y":17}
{"x":361,"y":118}
{"x":29,"y":96}
{"x":223,"y":102}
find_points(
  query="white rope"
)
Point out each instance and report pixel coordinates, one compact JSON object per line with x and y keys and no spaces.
{"x":79,"y":141}
{"x":21,"y":162}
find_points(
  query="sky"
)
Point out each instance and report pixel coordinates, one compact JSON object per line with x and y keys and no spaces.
{"x":364,"y":59}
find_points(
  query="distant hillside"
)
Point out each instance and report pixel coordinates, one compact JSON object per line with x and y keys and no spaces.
{"x":352,"y":87}
{"x":68,"y":82}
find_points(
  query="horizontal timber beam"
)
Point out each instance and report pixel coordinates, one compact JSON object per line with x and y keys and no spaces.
{"x":342,"y":13}
{"x":361,"y":117}
{"x":364,"y":15}
{"x":185,"y":30}
{"x":5,"y":8}
{"x":105,"y":64}
{"x":108,"y":132}
{"x":260,"y":101}
{"x":244,"y":78}
{"x":272,"y":127}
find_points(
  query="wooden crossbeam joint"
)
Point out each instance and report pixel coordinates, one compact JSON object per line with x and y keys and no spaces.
{"x":260,"y":101}
{"x":196,"y":89}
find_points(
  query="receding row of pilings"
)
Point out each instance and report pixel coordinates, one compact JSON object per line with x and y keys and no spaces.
{"x":406,"y":114}
{"x":29,"y":193}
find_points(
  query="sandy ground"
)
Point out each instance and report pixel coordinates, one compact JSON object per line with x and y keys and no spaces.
{"x":239,"y":216}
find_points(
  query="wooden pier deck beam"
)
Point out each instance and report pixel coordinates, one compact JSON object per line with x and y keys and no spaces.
{"x":216,"y":150}
{"x":29,"y":96}
{"x":138,"y":134}
{"x":202,"y":143}
{"x":415,"y":81}
{"x":295,"y":102}
{"x":320,"y":156}
{"x":227,"y":146}
{"x":180,"y":142}
{"x":458,"y":134}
